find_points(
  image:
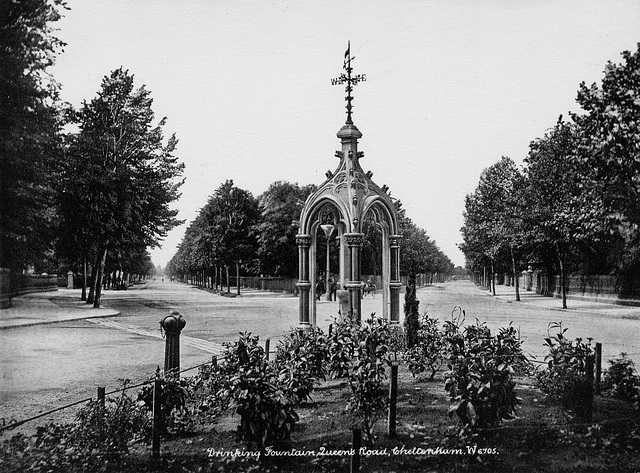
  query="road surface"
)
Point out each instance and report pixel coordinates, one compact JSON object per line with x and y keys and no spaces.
{"x":46,"y":366}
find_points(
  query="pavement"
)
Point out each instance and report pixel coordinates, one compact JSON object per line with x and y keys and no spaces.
{"x":606,"y":309}
{"x":63,"y":305}
{"x":49,"y":307}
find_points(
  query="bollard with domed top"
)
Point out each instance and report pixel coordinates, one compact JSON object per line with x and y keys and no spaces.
{"x":172,"y":325}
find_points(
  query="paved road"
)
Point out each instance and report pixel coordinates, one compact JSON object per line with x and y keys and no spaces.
{"x":45,"y":366}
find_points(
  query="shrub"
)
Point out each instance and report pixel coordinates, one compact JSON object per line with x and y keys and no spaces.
{"x":109,"y":427}
{"x":177,"y":414}
{"x":97,"y":440}
{"x":565,"y":381}
{"x":301,"y":360}
{"x":257,"y":393}
{"x":341,"y":347}
{"x":621,"y":380}
{"x":480,"y":380}
{"x":427,"y":352}
{"x":206,"y":389}
{"x":367,"y":376}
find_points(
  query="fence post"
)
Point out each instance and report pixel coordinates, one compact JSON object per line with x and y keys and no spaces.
{"x":598,"y":366}
{"x":157,"y":416}
{"x":214,"y":362}
{"x":172,"y":324}
{"x":356,"y":443}
{"x":589,"y":406}
{"x":267,"y":347}
{"x":393,"y":398}
{"x":101,"y":395}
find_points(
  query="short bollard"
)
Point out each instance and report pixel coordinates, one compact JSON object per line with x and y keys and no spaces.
{"x":172,"y":325}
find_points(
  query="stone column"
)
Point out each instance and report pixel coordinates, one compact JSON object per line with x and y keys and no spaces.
{"x":70,"y":280}
{"x":394,"y":283}
{"x":304,"y":284}
{"x":354,"y":286}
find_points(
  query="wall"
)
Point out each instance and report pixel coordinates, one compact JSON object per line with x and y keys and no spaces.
{"x":15,"y":284}
{"x":597,"y":288}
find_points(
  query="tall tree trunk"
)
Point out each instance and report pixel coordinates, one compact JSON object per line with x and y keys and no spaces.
{"x":92,"y":283}
{"x":228,"y":282}
{"x":563,"y":281}
{"x":83,"y":297}
{"x":493,"y":279}
{"x":238,"y":277}
{"x":516,"y":279}
{"x":484,"y":277}
{"x":101,"y":262}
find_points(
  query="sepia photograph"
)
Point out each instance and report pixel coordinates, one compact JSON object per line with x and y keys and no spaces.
{"x":321,"y":236}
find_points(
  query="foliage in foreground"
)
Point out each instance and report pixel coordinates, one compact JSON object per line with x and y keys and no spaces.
{"x":565,"y":381}
{"x":481,"y":377}
{"x":98,"y":440}
{"x":427,"y":352}
{"x":621,"y":380}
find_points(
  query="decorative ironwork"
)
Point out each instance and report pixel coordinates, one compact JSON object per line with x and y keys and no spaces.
{"x":349,"y":80}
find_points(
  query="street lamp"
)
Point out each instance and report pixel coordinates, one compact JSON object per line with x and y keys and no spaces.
{"x":328,"y":230}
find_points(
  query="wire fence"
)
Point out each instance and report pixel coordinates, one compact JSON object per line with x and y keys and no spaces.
{"x":12,"y":423}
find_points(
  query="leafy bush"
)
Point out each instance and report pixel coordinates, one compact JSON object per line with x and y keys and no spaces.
{"x":480,"y":380}
{"x":206,"y":389}
{"x":427,"y":351}
{"x":259,"y":394}
{"x":367,"y":376}
{"x":47,"y":450}
{"x":565,"y":381}
{"x":301,"y":359}
{"x":97,"y":441}
{"x":177,"y":415}
{"x":341,"y":346}
{"x":621,"y":380}
{"x":109,"y":427}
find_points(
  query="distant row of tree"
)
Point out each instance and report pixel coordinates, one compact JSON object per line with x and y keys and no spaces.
{"x":95,"y":197}
{"x":575,"y":205}
{"x":257,"y":236}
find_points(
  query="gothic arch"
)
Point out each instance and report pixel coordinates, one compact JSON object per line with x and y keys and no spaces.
{"x":350,"y":193}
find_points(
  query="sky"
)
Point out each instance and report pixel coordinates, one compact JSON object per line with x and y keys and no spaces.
{"x":452,"y":86}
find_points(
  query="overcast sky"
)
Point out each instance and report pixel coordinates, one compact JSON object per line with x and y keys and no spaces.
{"x":246,"y":86}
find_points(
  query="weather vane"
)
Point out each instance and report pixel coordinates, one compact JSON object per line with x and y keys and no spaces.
{"x":350,"y":81}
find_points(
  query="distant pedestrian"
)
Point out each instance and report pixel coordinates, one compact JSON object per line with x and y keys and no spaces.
{"x":319,"y":289}
{"x":333,"y":289}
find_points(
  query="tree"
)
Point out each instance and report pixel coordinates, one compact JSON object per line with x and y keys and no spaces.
{"x":610,"y":149}
{"x":29,"y":128}
{"x":492,"y":230}
{"x":275,"y":233}
{"x":121,"y":171}
{"x":229,"y":217}
{"x":560,"y":213}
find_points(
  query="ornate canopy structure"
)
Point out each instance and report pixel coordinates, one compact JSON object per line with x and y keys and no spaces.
{"x":349,"y":195}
